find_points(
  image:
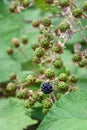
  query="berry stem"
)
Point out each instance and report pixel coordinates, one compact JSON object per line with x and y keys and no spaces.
{"x":53,"y":96}
{"x":20,"y":49}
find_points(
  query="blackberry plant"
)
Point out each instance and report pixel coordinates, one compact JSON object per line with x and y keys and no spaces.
{"x":51,"y":77}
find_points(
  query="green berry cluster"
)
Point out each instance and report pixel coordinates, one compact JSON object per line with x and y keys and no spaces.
{"x":51,"y":78}
{"x":64,"y":3}
{"x":80,"y":59}
{"x":17,"y":44}
{"x":15,"y":6}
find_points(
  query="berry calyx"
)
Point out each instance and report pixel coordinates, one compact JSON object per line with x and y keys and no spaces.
{"x":36,"y":60}
{"x":64,"y":3}
{"x":76,"y":57}
{"x":49,"y":73}
{"x":85,"y":6}
{"x":30,"y":80}
{"x":12,"y":8}
{"x":73,"y":78}
{"x":62,"y":77}
{"x":39,"y":52}
{"x":24,"y":39}
{"x":25,"y":3}
{"x":13,"y":76}
{"x":10,"y":50}
{"x":64,"y":26}
{"x":77,"y":13}
{"x":46,"y":88}
{"x":58,"y":63}
{"x":82,"y":63}
{"x":35,"y":23}
{"x":46,"y":21}
{"x":57,"y":48}
{"x":34,"y":46}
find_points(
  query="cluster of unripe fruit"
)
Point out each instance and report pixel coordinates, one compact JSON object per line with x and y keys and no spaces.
{"x":48,"y":49}
{"x":65,"y":3}
{"x":51,"y":88}
{"x":17,"y":44}
{"x":16,"y":6}
{"x":80,"y":58}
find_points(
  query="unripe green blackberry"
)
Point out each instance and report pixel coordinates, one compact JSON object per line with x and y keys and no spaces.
{"x":13,"y":76}
{"x":58,"y":95}
{"x":29,"y":103}
{"x":85,"y":6}
{"x":23,"y":94}
{"x":46,"y":21}
{"x":57,"y":48}
{"x":58,"y":63}
{"x":30,"y":80}
{"x":64,"y":26}
{"x":75,"y":89}
{"x":36,"y":60}
{"x":85,"y":56}
{"x":25,"y":3}
{"x":24,"y":39}
{"x":34,"y":46}
{"x":15,"y":42}
{"x":12,"y":8}
{"x":41,"y":70}
{"x":67,"y":72}
{"x":11,"y":87}
{"x":46,"y":103}
{"x":76,"y":57}
{"x":35,"y":23}
{"x":49,"y":73}
{"x":77,"y":13}
{"x":49,"y":1}
{"x":39,"y":52}
{"x":82,"y":63}
{"x":73,"y":78}
{"x":62,"y":86}
{"x":10,"y":50}
{"x":64,"y":3}
{"x":44,"y":43}
{"x":62,"y":77}
{"x":36,"y":96}
{"x":45,"y":110}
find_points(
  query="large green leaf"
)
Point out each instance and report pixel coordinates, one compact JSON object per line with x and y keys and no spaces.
{"x":13,"y":25}
{"x":7,"y":67}
{"x":69,"y":113}
{"x":47,"y":7}
{"x":12,"y":115}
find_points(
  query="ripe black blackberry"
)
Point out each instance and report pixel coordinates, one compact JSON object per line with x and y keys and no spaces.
{"x":46,"y":88}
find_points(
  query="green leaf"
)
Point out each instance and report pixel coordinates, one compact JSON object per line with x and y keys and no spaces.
{"x":7,"y":67}
{"x":47,"y":7}
{"x":69,"y":113}
{"x":12,"y":115}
